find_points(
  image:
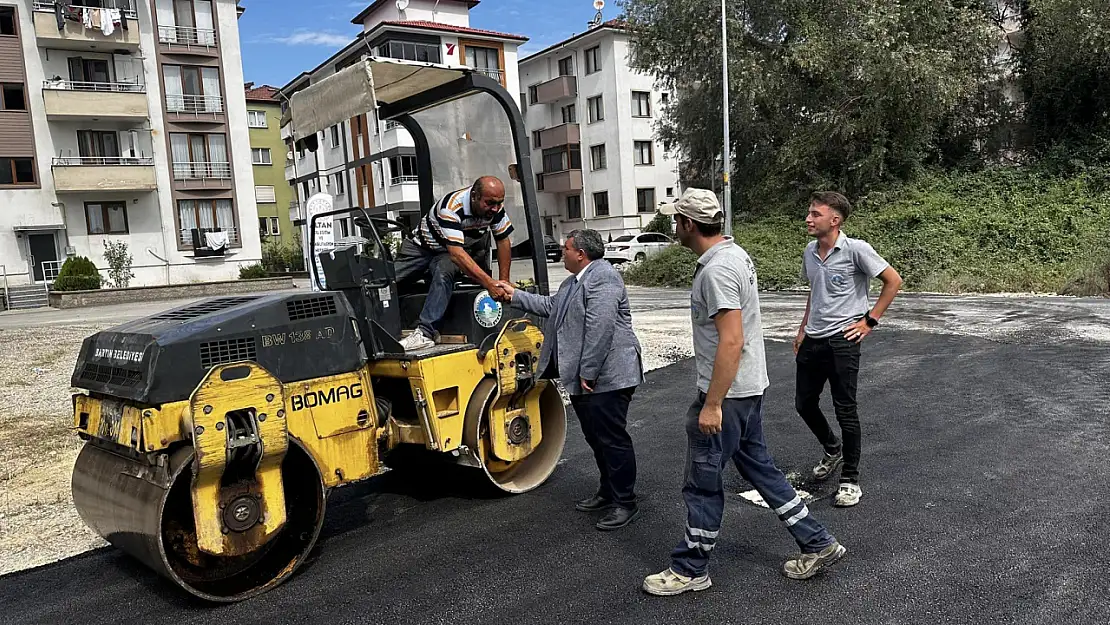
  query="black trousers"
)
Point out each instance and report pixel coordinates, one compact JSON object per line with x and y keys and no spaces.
{"x":604,"y":418}
{"x":835,"y":360}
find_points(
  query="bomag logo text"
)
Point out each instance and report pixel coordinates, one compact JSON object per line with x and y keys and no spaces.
{"x":333,"y":395}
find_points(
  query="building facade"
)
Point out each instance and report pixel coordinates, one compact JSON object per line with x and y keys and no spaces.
{"x":362,"y":165}
{"x":272,"y":192}
{"x":124,"y":121}
{"x":591,"y":120}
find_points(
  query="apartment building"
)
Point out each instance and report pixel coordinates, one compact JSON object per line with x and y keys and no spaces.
{"x":272,"y":192}
{"x":592,"y":123}
{"x":118,"y":123}
{"x":360,"y":164}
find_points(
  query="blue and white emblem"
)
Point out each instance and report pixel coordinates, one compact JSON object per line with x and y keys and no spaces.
{"x":487,"y":311}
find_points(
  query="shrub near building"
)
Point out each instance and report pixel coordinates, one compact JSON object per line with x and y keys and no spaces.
{"x":77,"y":274}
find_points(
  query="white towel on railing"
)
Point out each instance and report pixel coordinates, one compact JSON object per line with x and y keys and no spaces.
{"x":108,"y":21}
{"x":216,"y":240}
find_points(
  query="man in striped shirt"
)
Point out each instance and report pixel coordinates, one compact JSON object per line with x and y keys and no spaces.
{"x":451,"y":235}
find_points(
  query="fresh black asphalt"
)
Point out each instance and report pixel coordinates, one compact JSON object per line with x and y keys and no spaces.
{"x":985,"y":488}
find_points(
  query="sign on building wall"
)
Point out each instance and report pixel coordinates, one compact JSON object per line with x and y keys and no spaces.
{"x":325,"y":234}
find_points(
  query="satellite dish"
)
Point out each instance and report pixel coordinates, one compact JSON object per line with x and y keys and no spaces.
{"x":599,"y":5}
{"x":404,"y":4}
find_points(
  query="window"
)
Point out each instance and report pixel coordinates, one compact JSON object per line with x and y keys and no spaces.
{"x":98,"y":144}
{"x":641,"y":104}
{"x":593,"y":62}
{"x":15,"y":171}
{"x":402,"y":169}
{"x":7,"y":21}
{"x":537,"y":138}
{"x":265,"y":194}
{"x":670,"y":191}
{"x":562,"y":158}
{"x":269,"y":226}
{"x":200,"y":156}
{"x":569,"y":116}
{"x":485,"y":59}
{"x":206,"y":215}
{"x":642,"y":153}
{"x":566,"y":66}
{"x":12,"y":98}
{"x":256,"y":119}
{"x":106,"y":217}
{"x":410,"y":51}
{"x":645,"y":200}
{"x":574,"y":207}
{"x":261,"y":156}
{"x":335,"y":136}
{"x":665,"y":97}
{"x":533,"y":94}
{"x":191,"y":89}
{"x":601,"y":204}
{"x":596,"y":109}
{"x":339,"y":185}
{"x":597,"y":157}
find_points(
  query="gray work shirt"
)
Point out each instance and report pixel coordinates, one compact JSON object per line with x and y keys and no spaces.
{"x":725,"y":279}
{"x":839,"y":284}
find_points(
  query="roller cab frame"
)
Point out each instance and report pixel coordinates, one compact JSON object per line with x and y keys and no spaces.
{"x":215,"y":431}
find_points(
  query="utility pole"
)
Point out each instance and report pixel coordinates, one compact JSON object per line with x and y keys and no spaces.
{"x":728,"y":151}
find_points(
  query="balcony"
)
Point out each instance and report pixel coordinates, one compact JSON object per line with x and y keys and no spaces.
{"x":101,"y":173}
{"x":495,"y":74}
{"x":566,"y":181}
{"x":202,"y":175}
{"x":558,"y":89}
{"x":188,"y":107}
{"x":67,"y":99}
{"x":74,"y":36}
{"x":187,"y":40}
{"x":566,"y":134}
{"x":295,"y":212}
{"x":191,"y":237}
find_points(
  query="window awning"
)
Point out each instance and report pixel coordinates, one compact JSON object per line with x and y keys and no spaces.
{"x":39,"y":227}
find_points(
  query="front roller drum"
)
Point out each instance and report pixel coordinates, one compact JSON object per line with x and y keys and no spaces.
{"x":533,"y":470}
{"x":147,"y":512}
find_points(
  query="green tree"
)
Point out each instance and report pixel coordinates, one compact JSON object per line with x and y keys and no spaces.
{"x":844,"y":94}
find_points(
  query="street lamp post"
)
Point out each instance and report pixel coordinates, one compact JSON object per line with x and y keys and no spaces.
{"x":728,"y":151}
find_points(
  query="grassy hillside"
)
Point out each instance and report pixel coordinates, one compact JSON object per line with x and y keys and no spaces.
{"x":993,"y":231}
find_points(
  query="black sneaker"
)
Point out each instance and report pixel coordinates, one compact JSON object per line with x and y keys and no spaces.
{"x":593,"y":504}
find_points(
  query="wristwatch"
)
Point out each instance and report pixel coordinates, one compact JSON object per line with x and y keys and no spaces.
{"x":871,"y":321}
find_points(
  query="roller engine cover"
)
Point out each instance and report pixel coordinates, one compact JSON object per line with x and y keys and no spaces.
{"x":162,"y":358}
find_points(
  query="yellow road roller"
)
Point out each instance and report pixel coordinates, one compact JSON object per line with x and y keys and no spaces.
{"x":214,"y":431}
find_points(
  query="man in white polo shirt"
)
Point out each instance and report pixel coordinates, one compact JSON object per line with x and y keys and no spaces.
{"x":839,"y":270}
{"x":725,"y":421}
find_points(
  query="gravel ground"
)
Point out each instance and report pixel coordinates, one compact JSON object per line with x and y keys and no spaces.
{"x":38,"y":523}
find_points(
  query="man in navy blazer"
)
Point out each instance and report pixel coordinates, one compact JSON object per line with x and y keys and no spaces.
{"x":590,"y":347}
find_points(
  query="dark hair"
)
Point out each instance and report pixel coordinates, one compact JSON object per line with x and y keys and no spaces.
{"x":833,"y":200}
{"x":706,"y":230}
{"x":588,"y":241}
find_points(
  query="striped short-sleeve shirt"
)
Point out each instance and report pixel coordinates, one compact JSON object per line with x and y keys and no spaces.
{"x":452,"y":222}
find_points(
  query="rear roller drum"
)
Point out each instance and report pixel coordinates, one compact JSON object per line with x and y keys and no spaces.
{"x":526,"y":474}
{"x":147,"y":513}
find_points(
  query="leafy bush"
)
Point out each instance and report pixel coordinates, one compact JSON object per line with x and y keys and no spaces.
{"x":278,"y":257}
{"x":1003,"y":229}
{"x":252,"y":272}
{"x":119,"y":264}
{"x":673,"y":267}
{"x":77,"y":283}
{"x":662,"y":224}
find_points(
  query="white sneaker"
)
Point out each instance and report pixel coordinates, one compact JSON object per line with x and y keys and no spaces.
{"x":669,"y":583}
{"x":848,"y":495}
{"x":417,"y":340}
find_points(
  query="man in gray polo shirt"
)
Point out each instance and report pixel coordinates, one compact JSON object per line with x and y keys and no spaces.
{"x":725,"y":421}
{"x":827,"y":348}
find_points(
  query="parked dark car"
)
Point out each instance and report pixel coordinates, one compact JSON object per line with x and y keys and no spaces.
{"x":552,"y":248}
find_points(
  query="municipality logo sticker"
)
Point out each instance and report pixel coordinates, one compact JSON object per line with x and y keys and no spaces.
{"x":487,"y":311}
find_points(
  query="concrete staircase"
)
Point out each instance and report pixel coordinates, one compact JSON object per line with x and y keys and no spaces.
{"x":30,"y":296}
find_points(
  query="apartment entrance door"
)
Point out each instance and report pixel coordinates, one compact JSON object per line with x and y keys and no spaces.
{"x":43,"y":250}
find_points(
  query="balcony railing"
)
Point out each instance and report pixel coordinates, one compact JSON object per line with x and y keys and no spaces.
{"x":404,"y":180}
{"x":201,"y":171}
{"x":101,"y":87}
{"x":495,"y":74}
{"x":194,"y":104}
{"x":102,"y":161}
{"x":187,"y":36}
{"x":126,"y":6}
{"x":186,"y":235}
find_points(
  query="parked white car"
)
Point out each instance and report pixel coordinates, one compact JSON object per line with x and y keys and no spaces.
{"x":636,"y":246}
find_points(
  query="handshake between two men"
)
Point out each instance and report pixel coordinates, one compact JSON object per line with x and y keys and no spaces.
{"x":502,"y":291}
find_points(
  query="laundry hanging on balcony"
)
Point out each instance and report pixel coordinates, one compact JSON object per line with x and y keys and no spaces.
{"x":103,"y":19}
